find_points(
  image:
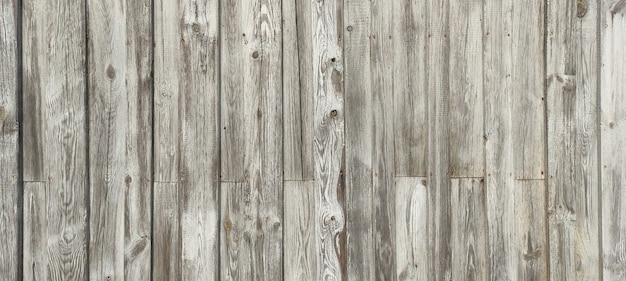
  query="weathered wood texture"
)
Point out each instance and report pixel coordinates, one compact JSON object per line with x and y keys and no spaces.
{"x":411,"y":229}
{"x":54,"y":134}
{"x":9,"y":257}
{"x":120,"y":112}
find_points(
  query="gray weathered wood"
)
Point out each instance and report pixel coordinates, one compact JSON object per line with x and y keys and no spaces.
{"x":35,"y":231}
{"x":529,"y":229}
{"x":166,"y":262}
{"x":300,"y":240}
{"x":120,"y":110}
{"x":359,"y":135}
{"x":613,"y":135}
{"x":411,"y":229}
{"x":298,"y":90}
{"x":9,"y":258}
{"x":54,"y":149}
{"x":469,"y":236}
{"x":572,"y":64}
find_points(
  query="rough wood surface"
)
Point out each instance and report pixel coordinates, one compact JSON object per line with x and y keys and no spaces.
{"x":35,"y":231}
{"x":9,"y":125}
{"x":411,"y":229}
{"x":572,"y":61}
{"x":300,"y":240}
{"x":613,"y":135}
{"x":166,"y":242}
{"x":120,"y":110}
{"x":54,"y":131}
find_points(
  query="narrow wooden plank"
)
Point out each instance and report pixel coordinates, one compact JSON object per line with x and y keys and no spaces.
{"x":300,"y":239}
{"x":120,"y":87}
{"x":613,"y":152}
{"x":186,"y":126}
{"x":54,"y":129}
{"x":359,"y":140}
{"x":35,"y":231}
{"x":411,"y":229}
{"x":166,"y":243}
{"x":438,"y":89}
{"x":409,"y":87}
{"x":298,"y":90}
{"x":9,"y":125}
{"x":572,"y":61}
{"x":469,"y":236}
{"x":328,"y":140}
{"x":529,"y":228}
{"x":467,"y":145}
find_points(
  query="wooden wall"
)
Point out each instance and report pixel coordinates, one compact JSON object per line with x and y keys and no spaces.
{"x":312,"y":140}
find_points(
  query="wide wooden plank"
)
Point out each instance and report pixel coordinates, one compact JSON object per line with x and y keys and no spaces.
{"x":467,"y":145}
{"x":54,"y":129}
{"x":572,"y":61}
{"x":300,"y":241}
{"x":120,"y":87}
{"x":613,"y":136}
{"x":9,"y":259}
{"x":411,"y":229}
{"x":328,"y":140}
{"x":298,"y":90}
{"x":469,"y":226}
{"x":530,"y":244}
{"x":35,"y":231}
{"x":166,"y":243}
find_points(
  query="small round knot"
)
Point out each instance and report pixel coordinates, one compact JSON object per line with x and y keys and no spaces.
{"x":195,"y":27}
{"x":349,"y":28}
{"x":334,"y":113}
{"x":110,"y":72}
{"x":255,"y":54}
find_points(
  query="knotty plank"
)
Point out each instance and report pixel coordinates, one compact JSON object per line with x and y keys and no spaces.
{"x":35,"y":231}
{"x":328,"y":140}
{"x":8,"y":139}
{"x":167,"y":242}
{"x":467,"y":146}
{"x":613,"y":135}
{"x":54,"y":130}
{"x":411,"y":210}
{"x":529,"y":242}
{"x":572,"y":64}
{"x":120,"y":87}
{"x":298,"y":90}
{"x":186,"y":128}
{"x":252,"y":130}
{"x":469,"y":236}
{"x":300,"y":229}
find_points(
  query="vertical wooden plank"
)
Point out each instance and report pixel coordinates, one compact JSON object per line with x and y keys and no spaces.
{"x":8,"y":139}
{"x":466,"y":89}
{"x":186,"y":128}
{"x":411,"y":229}
{"x":328,"y":140}
{"x":35,"y":231}
{"x":54,"y":129}
{"x":300,"y":239}
{"x":529,"y":228}
{"x":120,"y":87}
{"x":469,"y":236}
{"x":572,"y":67}
{"x":410,"y":87}
{"x":167,"y":237}
{"x":613,"y":152}
{"x":251,"y":147}
{"x":297,"y":90}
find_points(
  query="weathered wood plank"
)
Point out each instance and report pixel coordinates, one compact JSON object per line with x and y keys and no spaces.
{"x":409,"y":88}
{"x":469,"y":236}
{"x":613,"y":135}
{"x":411,"y":229}
{"x":572,"y":64}
{"x":298,"y":90}
{"x":54,"y":130}
{"x":359,"y":139}
{"x":300,"y":239}
{"x":166,"y":242}
{"x":35,"y":231}
{"x":328,"y":139}
{"x":529,"y":228}
{"x":9,"y":125}
{"x":120,"y":87}
{"x":467,"y":145}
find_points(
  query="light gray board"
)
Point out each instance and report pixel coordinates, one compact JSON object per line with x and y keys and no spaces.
{"x":411,"y":229}
{"x":166,"y":243}
{"x":573,"y":210}
{"x":120,"y":110}
{"x":54,"y":130}
{"x":9,"y":259}
{"x":300,"y":240}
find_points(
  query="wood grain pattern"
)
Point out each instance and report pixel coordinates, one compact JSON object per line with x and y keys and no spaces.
{"x":613,"y":152}
{"x":572,"y":61}
{"x":300,"y":241}
{"x":9,"y":126}
{"x":54,"y":130}
{"x":35,"y":231}
{"x":167,"y":242}
{"x":411,"y":229}
{"x":120,"y":87}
